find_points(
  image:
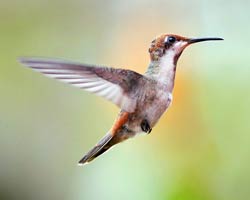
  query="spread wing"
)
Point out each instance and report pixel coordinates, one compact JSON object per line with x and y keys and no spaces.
{"x":113,"y":84}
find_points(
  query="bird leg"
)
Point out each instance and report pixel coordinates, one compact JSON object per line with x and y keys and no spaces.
{"x":145,"y":126}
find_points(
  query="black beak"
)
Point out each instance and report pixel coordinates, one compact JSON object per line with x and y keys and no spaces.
{"x":194,"y":40}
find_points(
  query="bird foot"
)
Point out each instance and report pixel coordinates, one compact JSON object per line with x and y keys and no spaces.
{"x":145,"y":126}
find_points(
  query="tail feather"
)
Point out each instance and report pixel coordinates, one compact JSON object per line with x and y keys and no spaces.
{"x":103,"y":145}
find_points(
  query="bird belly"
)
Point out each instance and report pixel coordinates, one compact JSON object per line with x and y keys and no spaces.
{"x":157,"y":108}
{"x":150,"y":110}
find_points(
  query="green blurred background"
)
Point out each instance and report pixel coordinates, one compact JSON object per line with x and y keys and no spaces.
{"x":198,"y":151}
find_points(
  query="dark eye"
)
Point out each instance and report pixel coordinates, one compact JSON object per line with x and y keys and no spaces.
{"x":171,"y":39}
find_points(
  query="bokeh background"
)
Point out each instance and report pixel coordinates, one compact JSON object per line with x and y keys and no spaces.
{"x":200,"y":149}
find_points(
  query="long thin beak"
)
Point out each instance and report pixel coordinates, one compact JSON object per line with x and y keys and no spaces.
{"x":194,"y":40}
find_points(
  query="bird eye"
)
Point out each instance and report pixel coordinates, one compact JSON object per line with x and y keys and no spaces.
{"x":171,"y":39}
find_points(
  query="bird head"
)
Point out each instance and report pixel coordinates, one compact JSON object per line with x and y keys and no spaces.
{"x":172,"y":46}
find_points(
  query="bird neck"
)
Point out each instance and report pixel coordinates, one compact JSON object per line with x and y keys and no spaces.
{"x":163,"y":70}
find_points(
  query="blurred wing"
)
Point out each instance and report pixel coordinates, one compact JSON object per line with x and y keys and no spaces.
{"x":113,"y":84}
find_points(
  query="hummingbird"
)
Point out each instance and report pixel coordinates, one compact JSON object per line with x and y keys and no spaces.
{"x":142,"y":98}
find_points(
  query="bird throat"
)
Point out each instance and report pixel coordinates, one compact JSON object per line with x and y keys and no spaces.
{"x":163,"y":69}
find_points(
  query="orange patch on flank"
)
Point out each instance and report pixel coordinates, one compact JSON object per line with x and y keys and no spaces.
{"x":122,"y":119}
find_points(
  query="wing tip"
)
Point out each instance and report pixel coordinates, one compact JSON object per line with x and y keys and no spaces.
{"x":45,"y":60}
{"x":22,"y":59}
{"x":29,"y":61}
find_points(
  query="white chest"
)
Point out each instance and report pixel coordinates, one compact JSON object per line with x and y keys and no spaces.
{"x":158,"y":107}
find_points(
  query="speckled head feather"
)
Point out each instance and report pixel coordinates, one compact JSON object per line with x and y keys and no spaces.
{"x":159,"y":45}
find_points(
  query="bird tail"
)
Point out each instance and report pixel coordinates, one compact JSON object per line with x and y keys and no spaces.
{"x":103,"y":145}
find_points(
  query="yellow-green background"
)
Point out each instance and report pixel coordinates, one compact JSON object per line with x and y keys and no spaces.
{"x":199,"y":150}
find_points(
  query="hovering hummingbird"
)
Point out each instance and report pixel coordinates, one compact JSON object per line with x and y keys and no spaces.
{"x":142,"y":98}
